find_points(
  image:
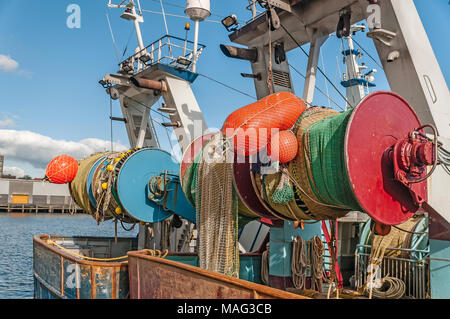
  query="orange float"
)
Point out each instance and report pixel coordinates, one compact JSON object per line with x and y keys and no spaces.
{"x":283,"y":147}
{"x":61,"y":169}
{"x":252,"y":126}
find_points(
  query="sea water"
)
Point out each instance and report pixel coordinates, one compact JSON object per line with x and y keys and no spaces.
{"x":16,"y":244}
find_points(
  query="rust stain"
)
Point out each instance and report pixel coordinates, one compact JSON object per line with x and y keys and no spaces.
{"x":138,"y":279}
{"x":220,"y":293}
{"x":162,"y":278}
{"x":62,"y":276}
{"x":113,"y":293}
{"x":95,"y":277}
{"x":78,"y":286}
{"x":92,"y":281}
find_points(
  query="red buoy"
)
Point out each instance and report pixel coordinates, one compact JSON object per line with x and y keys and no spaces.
{"x":61,"y":169}
{"x":283,"y":147}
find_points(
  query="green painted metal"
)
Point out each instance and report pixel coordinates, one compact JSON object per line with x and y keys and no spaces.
{"x":249,"y":265}
{"x":329,"y":179}
{"x":281,"y":240}
{"x":440,"y":269}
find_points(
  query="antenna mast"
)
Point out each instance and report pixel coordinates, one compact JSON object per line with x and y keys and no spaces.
{"x":197,"y":10}
{"x":131,"y":15}
{"x":354,"y":80}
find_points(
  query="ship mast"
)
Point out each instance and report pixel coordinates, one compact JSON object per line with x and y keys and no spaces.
{"x":132,"y":15}
{"x":198,"y":11}
{"x":355,"y":82}
{"x":163,"y":69}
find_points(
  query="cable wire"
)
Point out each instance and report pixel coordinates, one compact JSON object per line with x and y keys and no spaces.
{"x":142,"y":104}
{"x":318,"y":68}
{"x":317,"y":88}
{"x":128,"y":42}
{"x":113,"y":39}
{"x":410,"y":232}
{"x":111,"y":123}
{"x":368,"y":54}
{"x":227,"y":86}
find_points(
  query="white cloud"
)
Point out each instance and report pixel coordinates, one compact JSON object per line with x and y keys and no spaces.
{"x":7,"y":120}
{"x":7,"y":64}
{"x":12,"y":170}
{"x":38,"y":150}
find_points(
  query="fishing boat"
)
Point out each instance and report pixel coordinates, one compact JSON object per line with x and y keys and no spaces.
{"x":98,"y":268}
{"x":288,"y":197}
{"x":81,"y":267}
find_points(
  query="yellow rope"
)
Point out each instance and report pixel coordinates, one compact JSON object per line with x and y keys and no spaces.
{"x":152,"y":252}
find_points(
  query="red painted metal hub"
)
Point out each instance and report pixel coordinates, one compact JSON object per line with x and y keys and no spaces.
{"x":412,"y":155}
{"x":380,"y":146}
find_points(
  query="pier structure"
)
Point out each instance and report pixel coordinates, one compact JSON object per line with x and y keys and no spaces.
{"x":35,"y":196}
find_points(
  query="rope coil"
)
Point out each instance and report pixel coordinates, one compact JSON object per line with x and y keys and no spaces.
{"x":298,"y":262}
{"x":317,"y":251}
{"x":391,"y":288}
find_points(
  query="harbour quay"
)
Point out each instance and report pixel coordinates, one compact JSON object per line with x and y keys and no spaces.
{"x":35,"y":196}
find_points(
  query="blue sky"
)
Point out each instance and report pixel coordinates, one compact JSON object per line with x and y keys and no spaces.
{"x":51,"y":87}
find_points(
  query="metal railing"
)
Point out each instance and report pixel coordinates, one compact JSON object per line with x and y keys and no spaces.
{"x":168,"y":50}
{"x":253,"y":7}
{"x":413,"y":272}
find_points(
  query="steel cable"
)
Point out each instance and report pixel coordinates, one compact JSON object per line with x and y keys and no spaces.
{"x":227,"y":86}
{"x":318,"y":68}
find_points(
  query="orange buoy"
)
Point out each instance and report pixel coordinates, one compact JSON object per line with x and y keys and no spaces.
{"x":283,"y":147}
{"x":252,"y":126}
{"x":61,"y":169}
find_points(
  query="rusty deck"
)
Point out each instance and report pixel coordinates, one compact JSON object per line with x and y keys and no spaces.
{"x":157,"y":278}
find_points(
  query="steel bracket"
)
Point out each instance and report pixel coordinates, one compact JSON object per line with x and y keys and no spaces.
{"x":117,"y":79}
{"x":382,"y":35}
{"x":280,"y":4}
